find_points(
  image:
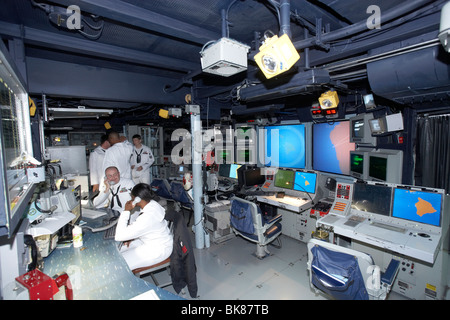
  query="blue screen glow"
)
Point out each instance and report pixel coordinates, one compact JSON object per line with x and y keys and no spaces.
{"x":285,"y":146}
{"x":305,"y":181}
{"x":331,"y":147}
{"x":418,"y":206}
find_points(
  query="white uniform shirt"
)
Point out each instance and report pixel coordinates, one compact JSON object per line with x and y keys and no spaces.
{"x":118,"y":156}
{"x":96,"y":165}
{"x":150,"y":226}
{"x":141,"y":157}
{"x":123,"y":192}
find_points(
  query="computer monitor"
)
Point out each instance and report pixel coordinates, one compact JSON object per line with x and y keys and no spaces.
{"x":285,"y":146}
{"x":224,"y":170}
{"x":360,"y":130}
{"x":418,"y":206}
{"x":386,"y":165}
{"x":332,"y":146}
{"x":359,"y":163}
{"x":372,"y":198}
{"x":233,"y":171}
{"x":305,"y":181}
{"x":253,"y":177}
{"x":246,"y":154}
{"x":245,"y":134}
{"x":224,"y":155}
{"x":377,"y":126}
{"x":284,"y":179}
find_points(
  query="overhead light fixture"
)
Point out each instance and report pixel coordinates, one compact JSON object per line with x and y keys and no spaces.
{"x":224,"y":57}
{"x":80,"y":112}
{"x":276,"y":55}
{"x":329,"y":100}
{"x":163,"y":113}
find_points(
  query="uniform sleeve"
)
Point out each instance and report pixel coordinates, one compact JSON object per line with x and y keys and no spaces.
{"x":100,"y":199}
{"x":149,"y":159}
{"x":125,"y":231}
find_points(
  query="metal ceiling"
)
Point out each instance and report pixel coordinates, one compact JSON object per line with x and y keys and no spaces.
{"x":147,"y":52}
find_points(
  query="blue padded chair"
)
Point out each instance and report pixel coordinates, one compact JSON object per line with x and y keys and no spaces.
{"x":182,"y":198}
{"x":162,"y":188}
{"x":247,"y":221}
{"x":347,"y":274}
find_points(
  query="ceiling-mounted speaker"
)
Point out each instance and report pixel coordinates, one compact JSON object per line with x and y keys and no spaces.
{"x":224,"y":57}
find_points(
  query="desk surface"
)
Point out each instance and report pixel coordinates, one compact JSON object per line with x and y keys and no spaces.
{"x":97,"y":271}
{"x":295,"y":204}
{"x":409,"y":242}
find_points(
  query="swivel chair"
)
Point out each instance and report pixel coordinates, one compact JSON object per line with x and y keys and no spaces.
{"x":247,"y":221}
{"x":165,"y":264}
{"x":162,"y":188}
{"x":346,"y":274}
{"x":182,"y":199}
{"x":157,"y":267}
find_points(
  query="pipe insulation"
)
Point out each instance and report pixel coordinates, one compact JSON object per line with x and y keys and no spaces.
{"x":361,"y":26}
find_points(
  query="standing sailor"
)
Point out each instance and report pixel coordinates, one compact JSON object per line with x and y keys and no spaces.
{"x":141,"y":160}
{"x":96,"y":163}
{"x":118,"y":155}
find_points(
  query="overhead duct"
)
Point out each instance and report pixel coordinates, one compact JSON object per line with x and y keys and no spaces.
{"x":245,"y":110}
{"x":302,"y":82}
{"x":398,"y":78}
{"x":394,"y":13}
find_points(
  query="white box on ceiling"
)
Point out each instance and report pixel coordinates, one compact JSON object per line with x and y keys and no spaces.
{"x":225,"y":57}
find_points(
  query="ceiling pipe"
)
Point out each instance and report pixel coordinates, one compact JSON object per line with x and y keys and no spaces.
{"x":391,"y":14}
{"x":285,"y":18}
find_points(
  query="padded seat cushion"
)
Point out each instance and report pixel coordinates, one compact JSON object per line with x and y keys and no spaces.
{"x":139,"y":270}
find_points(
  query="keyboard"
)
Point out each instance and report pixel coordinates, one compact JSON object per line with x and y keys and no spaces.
{"x":110,"y":233}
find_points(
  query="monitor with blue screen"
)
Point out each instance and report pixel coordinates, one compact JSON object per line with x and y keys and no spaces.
{"x":285,"y":146}
{"x":332,"y":146}
{"x":418,"y":206}
{"x":233,"y":170}
{"x":305,"y":181}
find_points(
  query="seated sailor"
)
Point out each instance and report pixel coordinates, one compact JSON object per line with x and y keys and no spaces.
{"x":116,"y":191}
{"x":147,"y":240}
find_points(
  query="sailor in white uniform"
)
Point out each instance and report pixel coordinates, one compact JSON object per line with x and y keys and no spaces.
{"x":96,"y":163}
{"x":147,"y":240}
{"x":141,"y":160}
{"x":118,"y":155}
{"x":116,"y":193}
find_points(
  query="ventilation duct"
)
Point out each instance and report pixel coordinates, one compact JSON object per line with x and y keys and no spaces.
{"x":414,"y":77}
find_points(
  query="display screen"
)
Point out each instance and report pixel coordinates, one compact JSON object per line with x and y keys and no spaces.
{"x":305,"y":181}
{"x":418,"y":206}
{"x":245,"y":154}
{"x":253,"y":177}
{"x":357,"y":163}
{"x":378,"y":167}
{"x":372,"y":198}
{"x":233,"y":170}
{"x":358,"y":128}
{"x":284,"y":179}
{"x":224,"y":170}
{"x":331,"y":147}
{"x":285,"y":146}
